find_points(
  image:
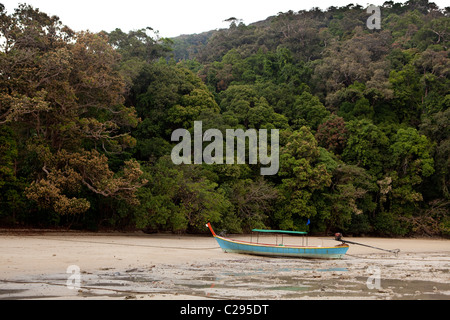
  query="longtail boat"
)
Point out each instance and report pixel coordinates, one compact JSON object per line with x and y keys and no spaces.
{"x":279,"y":250}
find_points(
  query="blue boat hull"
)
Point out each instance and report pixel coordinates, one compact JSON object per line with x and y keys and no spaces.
{"x":234,"y":246}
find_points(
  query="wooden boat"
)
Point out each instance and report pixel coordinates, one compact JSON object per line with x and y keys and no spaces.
{"x":279,"y":250}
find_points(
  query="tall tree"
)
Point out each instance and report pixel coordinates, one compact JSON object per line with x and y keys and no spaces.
{"x":302,"y":175}
{"x":64,"y":91}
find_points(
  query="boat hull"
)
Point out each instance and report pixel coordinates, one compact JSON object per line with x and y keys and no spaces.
{"x":234,"y":246}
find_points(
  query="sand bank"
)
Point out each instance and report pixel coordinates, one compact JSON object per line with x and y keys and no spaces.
{"x":34,"y":265}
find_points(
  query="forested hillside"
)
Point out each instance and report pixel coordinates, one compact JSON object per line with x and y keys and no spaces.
{"x":86,"y":121}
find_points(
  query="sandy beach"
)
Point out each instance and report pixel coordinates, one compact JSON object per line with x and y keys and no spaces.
{"x":71,"y":265}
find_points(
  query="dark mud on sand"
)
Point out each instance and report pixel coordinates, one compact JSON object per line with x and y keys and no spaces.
{"x":374,"y":277}
{"x":160,"y":268}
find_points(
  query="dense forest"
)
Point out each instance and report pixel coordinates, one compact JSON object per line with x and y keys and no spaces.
{"x":86,"y":122}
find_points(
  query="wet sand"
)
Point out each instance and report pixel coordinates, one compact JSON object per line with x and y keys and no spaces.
{"x":45,"y":265}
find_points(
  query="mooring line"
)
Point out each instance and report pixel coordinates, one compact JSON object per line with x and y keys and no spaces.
{"x":128,"y":244}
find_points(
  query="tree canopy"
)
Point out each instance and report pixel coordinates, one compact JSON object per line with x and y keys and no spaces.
{"x":86,"y":122}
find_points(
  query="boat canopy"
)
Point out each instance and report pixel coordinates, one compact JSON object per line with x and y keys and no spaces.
{"x":279,"y":231}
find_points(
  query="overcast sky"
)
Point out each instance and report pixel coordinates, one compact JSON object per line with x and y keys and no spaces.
{"x":172,"y":18}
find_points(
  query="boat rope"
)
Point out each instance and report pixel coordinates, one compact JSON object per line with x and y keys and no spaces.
{"x":338,"y":237}
{"x":128,"y":244}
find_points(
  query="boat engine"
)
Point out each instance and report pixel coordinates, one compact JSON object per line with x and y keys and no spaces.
{"x":338,"y":236}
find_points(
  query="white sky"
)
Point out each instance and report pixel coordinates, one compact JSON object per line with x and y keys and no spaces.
{"x":173,"y":17}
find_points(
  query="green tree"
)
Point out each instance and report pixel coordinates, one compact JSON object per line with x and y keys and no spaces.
{"x":349,"y":198}
{"x":250,"y":109}
{"x":253,"y":200}
{"x":437,"y":129}
{"x":12,"y":199}
{"x":302,"y":175}
{"x":367,"y":146}
{"x":179,"y":199}
{"x":412,"y":161}
{"x":307,"y":110}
